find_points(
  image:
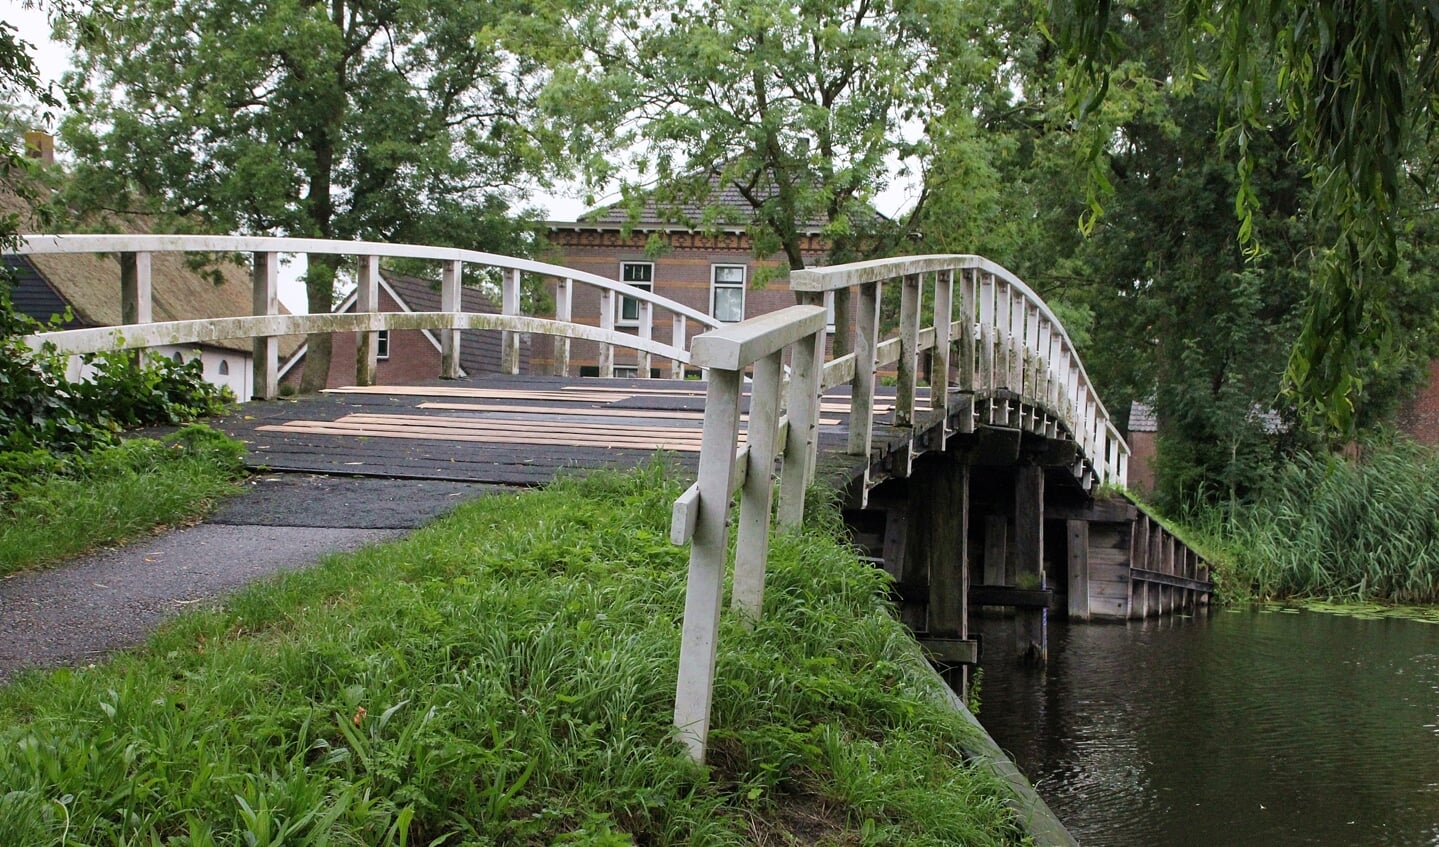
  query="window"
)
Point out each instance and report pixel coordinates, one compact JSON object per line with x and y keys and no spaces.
{"x":382,"y":344}
{"x":727,"y":293}
{"x":224,"y":367}
{"x":640,"y":275}
{"x":177,"y":358}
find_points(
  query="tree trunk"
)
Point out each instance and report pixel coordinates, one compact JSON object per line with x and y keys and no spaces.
{"x":319,"y":290}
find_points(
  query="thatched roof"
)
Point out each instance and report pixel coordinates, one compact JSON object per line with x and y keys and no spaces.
{"x":180,"y":290}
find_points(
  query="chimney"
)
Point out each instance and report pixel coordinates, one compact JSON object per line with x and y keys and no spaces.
{"x":40,"y":145}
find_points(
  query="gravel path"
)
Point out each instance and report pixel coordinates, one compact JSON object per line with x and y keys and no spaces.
{"x":110,"y":600}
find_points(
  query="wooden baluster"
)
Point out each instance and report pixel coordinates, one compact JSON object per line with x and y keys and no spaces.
{"x":564,"y":310}
{"x":909,"y":309}
{"x":984,"y":384}
{"x":450,"y":301}
{"x":677,"y":341}
{"x":367,"y":301}
{"x":607,"y":323}
{"x":802,"y":442}
{"x":757,"y":496}
{"x":509,"y":340}
{"x":647,"y":333}
{"x":136,"y":302}
{"x":940,"y":356}
{"x":866,"y":339}
{"x":705,"y":584}
{"x":266,"y":349}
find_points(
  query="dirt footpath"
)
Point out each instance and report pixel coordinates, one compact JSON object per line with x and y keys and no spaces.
{"x":107,"y":601}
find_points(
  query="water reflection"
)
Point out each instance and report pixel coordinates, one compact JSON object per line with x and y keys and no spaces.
{"x":1242,"y":727}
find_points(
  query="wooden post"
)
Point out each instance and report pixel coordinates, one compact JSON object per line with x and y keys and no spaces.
{"x":943,"y":342}
{"x":677,"y":341}
{"x":996,"y":554}
{"x":265,"y":300}
{"x":607,"y":323}
{"x":757,"y":496}
{"x":843,"y":339}
{"x":909,"y":308}
{"x":135,"y":294}
{"x":647,"y":333}
{"x":367,"y":300}
{"x":802,"y":442}
{"x":450,"y":338}
{"x":1078,"y":543}
{"x":866,"y":338}
{"x":1032,"y":624}
{"x":704,"y":588}
{"x":947,"y":547}
{"x":510,"y":341}
{"x":564,"y":306}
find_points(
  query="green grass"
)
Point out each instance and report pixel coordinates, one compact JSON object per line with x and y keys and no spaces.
{"x":1335,"y":528}
{"x":505,"y":676}
{"x":52,"y":510}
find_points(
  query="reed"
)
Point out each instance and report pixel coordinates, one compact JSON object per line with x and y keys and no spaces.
{"x":1341,"y":528}
{"x":504,"y":676}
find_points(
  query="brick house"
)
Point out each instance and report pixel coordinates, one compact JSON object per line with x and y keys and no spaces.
{"x":407,"y":356}
{"x":712,"y":270}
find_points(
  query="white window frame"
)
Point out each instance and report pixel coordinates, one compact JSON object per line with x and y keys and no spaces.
{"x":716,"y":286}
{"x":622,"y":301}
{"x":382,"y":344}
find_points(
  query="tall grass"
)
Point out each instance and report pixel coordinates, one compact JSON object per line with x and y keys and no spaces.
{"x":53,"y":509}
{"x":504,"y":676}
{"x":1340,"y":528}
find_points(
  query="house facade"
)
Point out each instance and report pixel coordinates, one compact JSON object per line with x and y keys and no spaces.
{"x":713,"y":271}
{"x":408,"y":356}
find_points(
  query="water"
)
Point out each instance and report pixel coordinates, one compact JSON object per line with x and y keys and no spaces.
{"x":1245,"y":727}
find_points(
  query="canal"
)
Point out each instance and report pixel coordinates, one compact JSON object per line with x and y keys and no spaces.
{"x":1240,"y":727}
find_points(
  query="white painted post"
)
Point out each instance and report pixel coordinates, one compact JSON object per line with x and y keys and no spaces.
{"x":802,"y":442}
{"x":136,"y":302}
{"x":266,"y":349}
{"x":1016,"y":340}
{"x":564,"y":300}
{"x":510,"y":341}
{"x":704,"y":588}
{"x":677,"y":341}
{"x":909,"y":308}
{"x":450,"y":338}
{"x":607,"y":323}
{"x":757,"y":496}
{"x":866,"y":340}
{"x":647,"y":333}
{"x":367,"y":300}
{"x":940,"y":356}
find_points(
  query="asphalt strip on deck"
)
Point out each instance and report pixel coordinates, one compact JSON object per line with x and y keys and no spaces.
{"x":78,"y":612}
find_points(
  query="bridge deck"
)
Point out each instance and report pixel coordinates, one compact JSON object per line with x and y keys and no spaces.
{"x":502,"y":429}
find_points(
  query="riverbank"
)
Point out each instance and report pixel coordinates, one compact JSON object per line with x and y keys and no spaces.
{"x":505,"y":675}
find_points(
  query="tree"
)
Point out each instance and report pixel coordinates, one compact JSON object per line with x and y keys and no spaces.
{"x":1357,"y":85}
{"x":19,"y":81}
{"x":800,"y":107}
{"x":383,"y":119}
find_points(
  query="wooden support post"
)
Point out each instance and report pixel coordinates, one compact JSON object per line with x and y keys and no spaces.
{"x":135,"y":294}
{"x":510,"y":305}
{"x":996,"y":553}
{"x":1078,"y":544}
{"x":801,"y":445}
{"x":450,"y":302}
{"x":866,"y":339}
{"x":843,"y":338}
{"x":265,"y":277}
{"x":757,"y":496}
{"x":1032,"y":624}
{"x":607,"y":323}
{"x":939,"y":509}
{"x":943,"y":344}
{"x":705,"y":585}
{"x":564,"y":309}
{"x":367,"y":300}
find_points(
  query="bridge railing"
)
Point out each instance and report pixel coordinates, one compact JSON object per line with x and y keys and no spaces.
{"x":267,"y":323}
{"x":1004,"y":348}
{"x":998,"y":356}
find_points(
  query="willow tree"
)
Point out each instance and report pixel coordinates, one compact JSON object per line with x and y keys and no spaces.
{"x":801,"y":109}
{"x":1357,"y":84}
{"x":387,"y":119}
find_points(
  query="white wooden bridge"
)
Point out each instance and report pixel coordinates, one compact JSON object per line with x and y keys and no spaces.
{"x":992,"y":398}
